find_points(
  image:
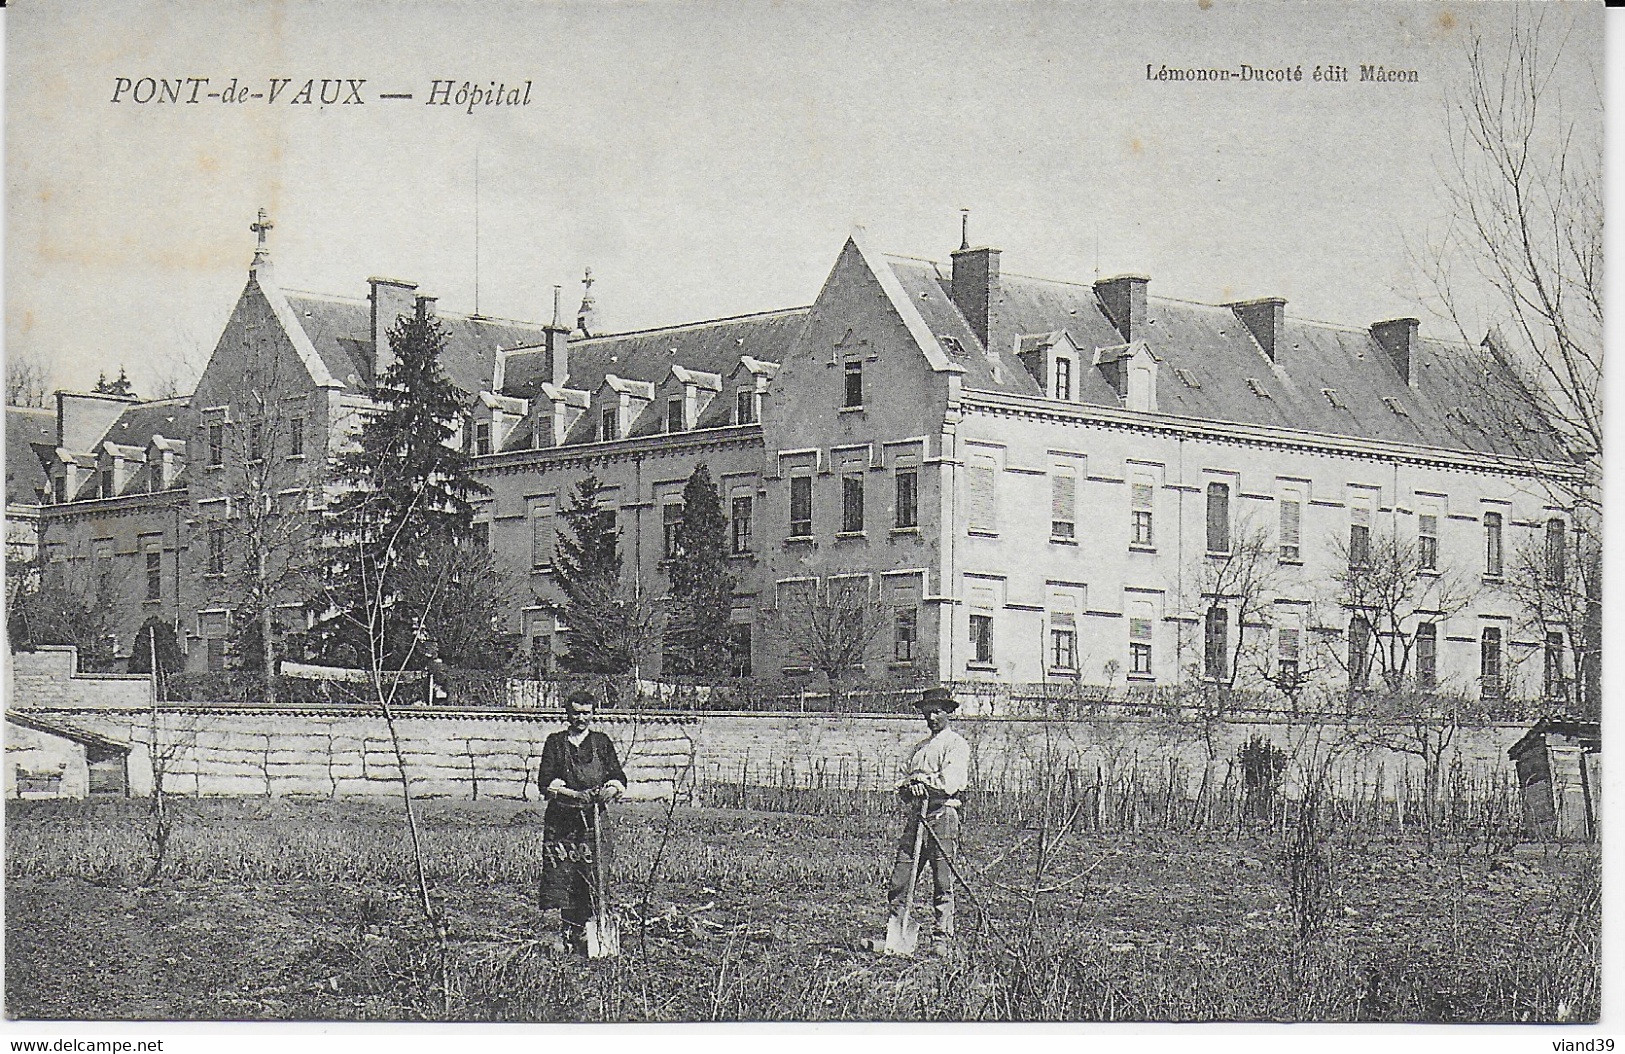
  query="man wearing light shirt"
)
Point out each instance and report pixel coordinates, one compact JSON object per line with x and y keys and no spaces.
{"x":579,"y":769}
{"x":938,"y":770}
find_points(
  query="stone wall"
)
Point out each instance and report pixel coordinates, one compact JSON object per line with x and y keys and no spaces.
{"x":47,"y":678}
{"x":867,"y":751}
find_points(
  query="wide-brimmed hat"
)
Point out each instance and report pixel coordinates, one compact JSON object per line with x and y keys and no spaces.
{"x":936,"y":698}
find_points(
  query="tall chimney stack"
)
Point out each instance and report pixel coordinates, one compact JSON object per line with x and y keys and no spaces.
{"x":1123,"y":297}
{"x":975,"y":284}
{"x":557,"y":333}
{"x":1397,"y":337}
{"x":1264,"y":319}
{"x":390,"y":298}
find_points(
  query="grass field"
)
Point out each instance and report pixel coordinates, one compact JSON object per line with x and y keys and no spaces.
{"x":304,"y":910}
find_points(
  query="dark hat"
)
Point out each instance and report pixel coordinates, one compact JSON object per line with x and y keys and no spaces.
{"x":936,"y":698}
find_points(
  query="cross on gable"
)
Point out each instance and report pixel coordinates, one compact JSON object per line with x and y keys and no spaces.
{"x":262,"y":227}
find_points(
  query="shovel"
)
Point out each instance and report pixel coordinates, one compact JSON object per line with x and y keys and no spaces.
{"x":902,"y":932}
{"x":604,"y":928}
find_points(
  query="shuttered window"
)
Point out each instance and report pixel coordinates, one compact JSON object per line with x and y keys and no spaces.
{"x":1142,"y":495}
{"x":1063,"y":504}
{"x":980,"y":479}
{"x":1292,"y":526}
{"x":1427,"y":540}
{"x":801,"y":506}
{"x":1216,"y":643}
{"x":1218,"y":517}
{"x":1360,"y":536}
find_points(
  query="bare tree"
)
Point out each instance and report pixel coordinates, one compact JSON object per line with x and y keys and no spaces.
{"x":1556,"y":578}
{"x":1388,"y":589}
{"x":1523,"y":234}
{"x":830,"y":624}
{"x":74,"y":601}
{"x":1234,"y":590}
{"x":260,"y":495}
{"x":27,"y":381}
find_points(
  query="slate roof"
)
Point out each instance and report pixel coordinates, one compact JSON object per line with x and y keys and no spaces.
{"x":648,"y":355}
{"x":340,"y":328}
{"x":1234,"y":380}
{"x":715,"y":346}
{"x":30,"y":440}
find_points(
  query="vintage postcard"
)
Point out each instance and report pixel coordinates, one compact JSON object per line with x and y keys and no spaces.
{"x":804,"y":512}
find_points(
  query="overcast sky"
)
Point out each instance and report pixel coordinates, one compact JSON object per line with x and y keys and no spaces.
{"x":709,"y":159}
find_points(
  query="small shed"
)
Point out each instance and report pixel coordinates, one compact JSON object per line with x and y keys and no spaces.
{"x":1559,"y":764}
{"x":47,"y":758}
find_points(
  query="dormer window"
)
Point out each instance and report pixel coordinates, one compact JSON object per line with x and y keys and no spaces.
{"x":109,"y":487}
{"x":1063,"y":379}
{"x":609,"y":424}
{"x":745,"y":406}
{"x":482,"y":437}
{"x":674,"y":414}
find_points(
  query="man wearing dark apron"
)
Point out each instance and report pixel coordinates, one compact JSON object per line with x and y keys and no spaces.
{"x":579,"y":769}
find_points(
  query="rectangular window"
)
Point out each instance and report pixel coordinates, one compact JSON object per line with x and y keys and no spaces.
{"x":801,"y":513}
{"x":745,"y":406}
{"x":908,"y":498}
{"x":609,"y":424}
{"x":108,"y":489}
{"x":217,"y":445}
{"x":1554,"y":683}
{"x":1292,"y":526}
{"x":1556,"y":552}
{"x":216,"y":651}
{"x":1140,"y":629}
{"x":1427,"y":654}
{"x":1489,"y":662}
{"x":217,"y":551}
{"x":1216,"y":641}
{"x":852,"y":504}
{"x":981,"y":638}
{"x":1360,"y":536}
{"x":671,"y":523}
{"x":1427,"y":540}
{"x":739,"y":647}
{"x":1063,"y":378}
{"x":482,"y":535}
{"x":1288,"y":658}
{"x":854,"y":384}
{"x":1218,"y":517}
{"x":1063,"y":649}
{"x":906,"y":630}
{"x":1063,"y":500}
{"x":674,"y":413}
{"x":541,"y":654}
{"x":1359,"y":658}
{"x":1492,"y":544}
{"x":1142,"y":499}
{"x":256,"y":439}
{"x":155,"y":576}
{"x":542,"y":535}
{"x":296,"y":437}
{"x":981,"y":478}
{"x":482,"y":437}
{"x":741,"y":524}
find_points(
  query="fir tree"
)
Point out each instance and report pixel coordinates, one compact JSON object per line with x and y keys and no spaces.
{"x":120,"y":386}
{"x":604,"y":626}
{"x":697,"y":633}
{"x":404,"y":514}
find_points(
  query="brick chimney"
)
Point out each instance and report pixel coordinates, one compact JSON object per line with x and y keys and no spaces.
{"x":426,"y":307}
{"x":1397,"y":337}
{"x":1123,"y":298}
{"x":390,"y":298}
{"x":1263,"y":318}
{"x":557,"y":333}
{"x":975,"y":287}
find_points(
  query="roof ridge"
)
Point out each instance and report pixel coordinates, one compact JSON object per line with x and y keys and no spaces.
{"x":683,"y":326}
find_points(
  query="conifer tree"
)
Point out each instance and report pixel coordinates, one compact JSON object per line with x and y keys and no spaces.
{"x":697,"y":631}
{"x":404,"y":517}
{"x":604,"y":622}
